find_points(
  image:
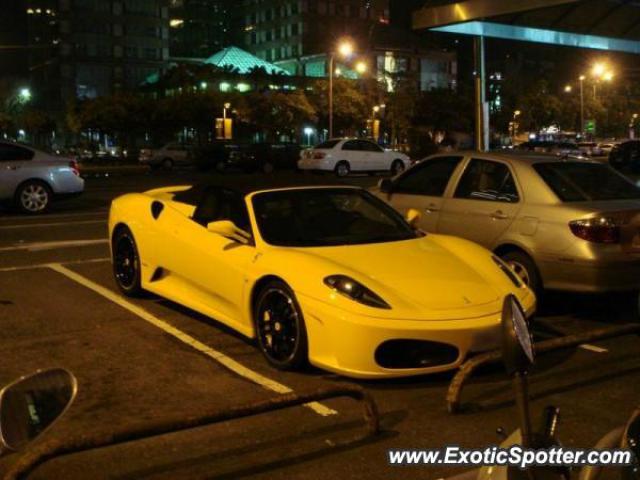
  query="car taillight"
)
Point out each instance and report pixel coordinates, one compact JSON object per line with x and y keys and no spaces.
{"x":319,"y":155}
{"x":74,"y":167}
{"x":597,"y":230}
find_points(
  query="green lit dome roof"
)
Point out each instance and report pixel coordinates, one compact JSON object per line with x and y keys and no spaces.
{"x":243,"y":61}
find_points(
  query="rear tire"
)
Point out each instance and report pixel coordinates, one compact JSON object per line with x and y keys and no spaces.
{"x":167,"y":164}
{"x":267,"y":167}
{"x":126,"y":263}
{"x":342,"y":168}
{"x":525,"y":268}
{"x":280,"y":328}
{"x":33,"y":197}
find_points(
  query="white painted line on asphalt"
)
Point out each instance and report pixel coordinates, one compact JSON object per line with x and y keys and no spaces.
{"x":81,"y":213}
{"x":53,"y":224}
{"x":47,"y":265}
{"x":39,"y":246}
{"x":593,"y":348}
{"x":221,"y":358}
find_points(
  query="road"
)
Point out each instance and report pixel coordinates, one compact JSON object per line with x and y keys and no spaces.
{"x":149,"y":359}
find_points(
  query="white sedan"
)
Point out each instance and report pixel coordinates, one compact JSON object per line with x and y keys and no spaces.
{"x":346,"y":155}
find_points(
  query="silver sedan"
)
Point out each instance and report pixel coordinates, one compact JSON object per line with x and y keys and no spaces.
{"x":560,"y":224}
{"x":32,"y":178}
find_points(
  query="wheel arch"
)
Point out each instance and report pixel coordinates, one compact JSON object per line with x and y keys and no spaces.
{"x":34,"y":179}
{"x":508,"y":247}
{"x":255,"y":291}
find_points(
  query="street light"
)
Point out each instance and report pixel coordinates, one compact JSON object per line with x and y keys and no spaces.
{"x":308,"y":131}
{"x":25,"y":94}
{"x":361,"y":67}
{"x":345,"y":49}
{"x":514,"y":125}
{"x":568,"y":88}
{"x":582,"y":78}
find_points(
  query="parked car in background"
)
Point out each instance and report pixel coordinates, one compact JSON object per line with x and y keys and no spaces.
{"x":167,"y":156}
{"x":346,"y":155}
{"x":590,"y":149}
{"x":626,"y":156}
{"x":606,"y":147}
{"x":560,"y":224}
{"x":263,"y":157}
{"x":564,"y":149}
{"x":32,"y":178}
{"x":214,"y":155}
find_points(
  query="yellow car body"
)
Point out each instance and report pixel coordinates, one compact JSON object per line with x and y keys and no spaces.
{"x":445,"y":293}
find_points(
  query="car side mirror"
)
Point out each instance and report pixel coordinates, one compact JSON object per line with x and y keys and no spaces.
{"x":413,"y":217}
{"x":31,"y":404}
{"x":385,"y":185}
{"x":517,"y":346}
{"x":229,"y":230}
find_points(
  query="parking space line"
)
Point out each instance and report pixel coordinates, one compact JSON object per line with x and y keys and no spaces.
{"x":47,"y":265}
{"x":593,"y":348}
{"x":7,"y":219}
{"x":53,"y":224}
{"x":219,"y":357}
{"x":38,"y":246}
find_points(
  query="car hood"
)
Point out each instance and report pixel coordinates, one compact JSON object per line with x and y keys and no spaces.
{"x":417,"y":275}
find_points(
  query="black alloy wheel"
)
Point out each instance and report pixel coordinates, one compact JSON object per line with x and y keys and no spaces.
{"x":280,"y":328}
{"x":126,"y":263}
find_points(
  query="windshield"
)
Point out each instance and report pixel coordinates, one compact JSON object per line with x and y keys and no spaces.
{"x":576,"y":182}
{"x":327,"y":216}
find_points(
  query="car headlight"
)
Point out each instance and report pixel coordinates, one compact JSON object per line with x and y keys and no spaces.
{"x":355,"y":291}
{"x":515,"y":279}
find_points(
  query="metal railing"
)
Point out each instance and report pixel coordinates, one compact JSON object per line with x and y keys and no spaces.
{"x":560,"y":343}
{"x":56,"y":447}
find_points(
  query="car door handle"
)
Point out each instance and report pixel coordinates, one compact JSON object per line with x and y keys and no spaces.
{"x":499,"y":215}
{"x":431,"y":209}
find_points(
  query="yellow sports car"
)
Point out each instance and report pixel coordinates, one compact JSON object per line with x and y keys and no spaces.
{"x":329,"y":275}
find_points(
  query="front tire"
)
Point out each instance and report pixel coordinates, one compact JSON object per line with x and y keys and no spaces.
{"x":280,"y":328}
{"x":342,"y":169}
{"x":126,"y":263}
{"x":33,"y":197}
{"x":397,"y":167}
{"x":524,"y":266}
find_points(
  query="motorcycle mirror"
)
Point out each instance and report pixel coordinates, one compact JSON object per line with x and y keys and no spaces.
{"x":517,"y":346}
{"x":31,"y":404}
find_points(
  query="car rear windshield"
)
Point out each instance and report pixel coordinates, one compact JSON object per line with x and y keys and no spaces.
{"x":320,"y":217}
{"x":328,"y":144}
{"x":578,"y":182}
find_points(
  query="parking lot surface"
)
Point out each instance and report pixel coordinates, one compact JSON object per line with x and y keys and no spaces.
{"x":145,"y":359}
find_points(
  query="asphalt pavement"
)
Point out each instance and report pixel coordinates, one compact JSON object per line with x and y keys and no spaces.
{"x":144,"y":360}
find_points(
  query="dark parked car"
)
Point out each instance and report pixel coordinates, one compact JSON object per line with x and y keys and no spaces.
{"x":626,"y":156}
{"x":214,"y":155}
{"x":265,"y":157}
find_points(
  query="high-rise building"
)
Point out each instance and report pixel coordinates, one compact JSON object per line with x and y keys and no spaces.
{"x":277,"y":30}
{"x":85,"y":48}
{"x":200,"y":28}
{"x":110,"y":45}
{"x":299,"y":36}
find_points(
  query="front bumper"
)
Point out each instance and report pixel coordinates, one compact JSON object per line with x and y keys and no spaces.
{"x":591,"y":276}
{"x":346,"y":343}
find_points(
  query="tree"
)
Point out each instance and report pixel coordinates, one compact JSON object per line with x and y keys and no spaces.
{"x":351,"y":107}
{"x":276,"y":113}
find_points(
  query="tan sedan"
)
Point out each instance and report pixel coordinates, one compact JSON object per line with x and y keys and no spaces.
{"x":560,"y":224}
